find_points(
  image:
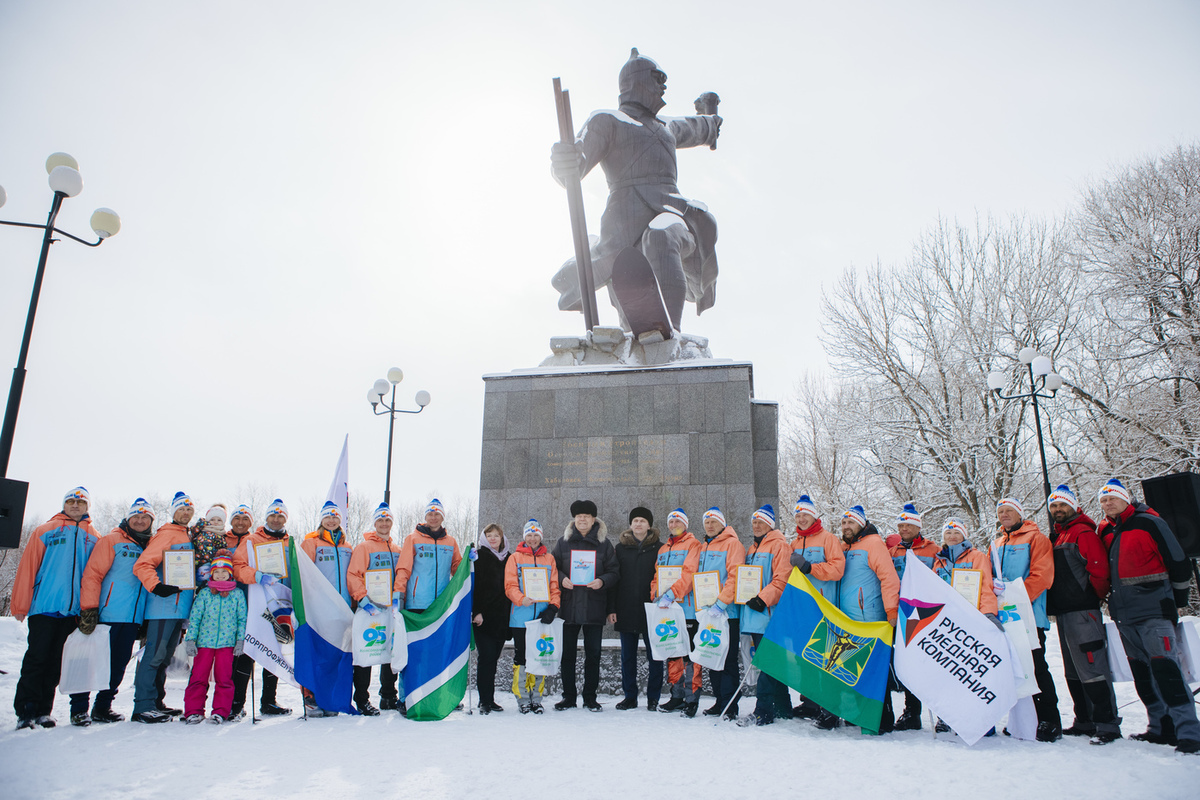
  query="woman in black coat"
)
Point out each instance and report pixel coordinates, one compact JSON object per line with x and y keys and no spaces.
{"x":637,"y":554}
{"x":491,"y":609}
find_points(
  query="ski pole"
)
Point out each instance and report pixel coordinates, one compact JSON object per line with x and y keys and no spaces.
{"x":253,"y":694}
{"x":735,"y":696}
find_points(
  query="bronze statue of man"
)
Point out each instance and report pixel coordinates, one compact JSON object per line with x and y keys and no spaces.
{"x":636,"y":150}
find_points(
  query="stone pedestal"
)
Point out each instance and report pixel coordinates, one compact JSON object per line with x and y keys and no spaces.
{"x":687,"y":435}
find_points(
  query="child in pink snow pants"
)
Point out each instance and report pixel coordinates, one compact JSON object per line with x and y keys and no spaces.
{"x":215,"y":631}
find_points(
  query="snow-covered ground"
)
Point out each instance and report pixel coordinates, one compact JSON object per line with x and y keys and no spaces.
{"x":573,"y":753}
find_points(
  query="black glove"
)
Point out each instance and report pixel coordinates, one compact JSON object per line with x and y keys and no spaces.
{"x":800,"y":562}
{"x":995,"y":621}
{"x":166,"y":590}
{"x":1182,"y":596}
{"x":88,"y":617}
{"x":756,"y":604}
{"x":547,"y":616}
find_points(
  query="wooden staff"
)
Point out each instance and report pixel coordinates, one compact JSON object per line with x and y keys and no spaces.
{"x":583,"y":249}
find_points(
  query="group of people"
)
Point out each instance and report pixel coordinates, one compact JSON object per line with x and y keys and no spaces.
{"x":187,"y":583}
{"x":70,"y":578}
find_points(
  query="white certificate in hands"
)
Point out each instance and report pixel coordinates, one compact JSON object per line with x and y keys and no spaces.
{"x":179,"y":568}
{"x":707,"y":586}
{"x":583,"y":567}
{"x":269,"y":558}
{"x":379,"y":586}
{"x":667,"y":576}
{"x":535,"y":583}
{"x":749,"y":583}
{"x":968,"y":583}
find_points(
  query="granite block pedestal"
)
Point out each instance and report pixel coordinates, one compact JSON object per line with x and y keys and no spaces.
{"x":687,"y":435}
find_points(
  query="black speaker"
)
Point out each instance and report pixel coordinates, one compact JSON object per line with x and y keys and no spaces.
{"x":12,"y":511}
{"x":1177,"y":500}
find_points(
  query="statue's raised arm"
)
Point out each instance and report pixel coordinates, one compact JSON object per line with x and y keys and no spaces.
{"x":636,"y":150}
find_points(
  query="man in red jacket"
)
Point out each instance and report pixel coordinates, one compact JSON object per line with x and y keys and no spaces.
{"x":1149,"y":582}
{"x":1073,"y":599}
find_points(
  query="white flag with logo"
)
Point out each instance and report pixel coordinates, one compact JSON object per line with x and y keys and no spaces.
{"x":950,"y":655}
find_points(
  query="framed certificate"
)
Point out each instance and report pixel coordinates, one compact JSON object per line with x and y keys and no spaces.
{"x":667,"y":576}
{"x":269,"y":558}
{"x":749,"y":583}
{"x":707,"y":586}
{"x":535,"y":583}
{"x":179,"y":568}
{"x":583,"y":567}
{"x":379,"y":586}
{"x":968,"y":583}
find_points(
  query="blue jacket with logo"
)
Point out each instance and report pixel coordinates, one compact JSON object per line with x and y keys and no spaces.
{"x":51,"y":569}
{"x":331,"y":554}
{"x":109,"y":583}
{"x":428,"y":560}
{"x":149,"y":570}
{"x":870,"y":589}
{"x":773,"y":554}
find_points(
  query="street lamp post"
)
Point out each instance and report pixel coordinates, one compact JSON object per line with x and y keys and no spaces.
{"x":1039,"y":367}
{"x":375,"y":398}
{"x":65,"y":181}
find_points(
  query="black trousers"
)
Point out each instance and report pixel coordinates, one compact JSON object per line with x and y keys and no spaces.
{"x":362,"y":684}
{"x":1045,"y":702}
{"x":243,"y":668}
{"x":42,"y":666}
{"x":121,"y":638}
{"x":591,"y":660}
{"x":487,"y":647}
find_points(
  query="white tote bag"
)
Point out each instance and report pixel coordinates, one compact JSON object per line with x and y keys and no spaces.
{"x":399,"y":642}
{"x":710,"y":645}
{"x":1188,"y":638}
{"x":543,"y":647}
{"x":85,"y":662}
{"x":372,"y":638}
{"x":668,"y":631}
{"x":1118,"y":662}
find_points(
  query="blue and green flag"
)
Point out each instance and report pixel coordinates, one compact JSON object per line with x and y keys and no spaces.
{"x":439,"y":644}
{"x":838,"y":663}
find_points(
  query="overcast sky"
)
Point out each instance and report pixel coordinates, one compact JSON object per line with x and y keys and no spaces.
{"x":314,"y":192}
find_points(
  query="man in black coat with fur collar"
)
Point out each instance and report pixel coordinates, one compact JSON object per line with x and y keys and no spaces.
{"x":585,"y":547}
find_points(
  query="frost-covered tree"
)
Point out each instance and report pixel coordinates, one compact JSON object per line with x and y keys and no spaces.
{"x":912,"y":346}
{"x":1139,"y":246}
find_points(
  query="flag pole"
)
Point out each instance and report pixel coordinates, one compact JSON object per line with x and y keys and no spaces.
{"x":253,"y":694}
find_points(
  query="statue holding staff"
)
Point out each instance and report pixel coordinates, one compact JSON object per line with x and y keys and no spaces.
{"x":645,"y":211}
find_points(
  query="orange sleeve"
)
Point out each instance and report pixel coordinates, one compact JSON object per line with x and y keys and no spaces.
{"x":242,"y":571}
{"x":512,"y":586}
{"x":404,"y":565}
{"x":555,"y":593}
{"x":987,"y":595}
{"x":781,"y":570}
{"x":145,"y":569}
{"x":356,"y":571}
{"x":1041,"y":565}
{"x":736,"y":557}
{"x":881,"y":564}
{"x":691,"y":562}
{"x":455,"y":559}
{"x":309,"y":546}
{"x":27,"y":570}
{"x":97,"y":567}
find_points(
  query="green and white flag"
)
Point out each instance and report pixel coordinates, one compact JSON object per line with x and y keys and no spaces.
{"x":439,"y":645}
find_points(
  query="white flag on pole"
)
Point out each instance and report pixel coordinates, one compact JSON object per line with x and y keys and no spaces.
{"x":950,"y":655}
{"x":339,"y":489}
